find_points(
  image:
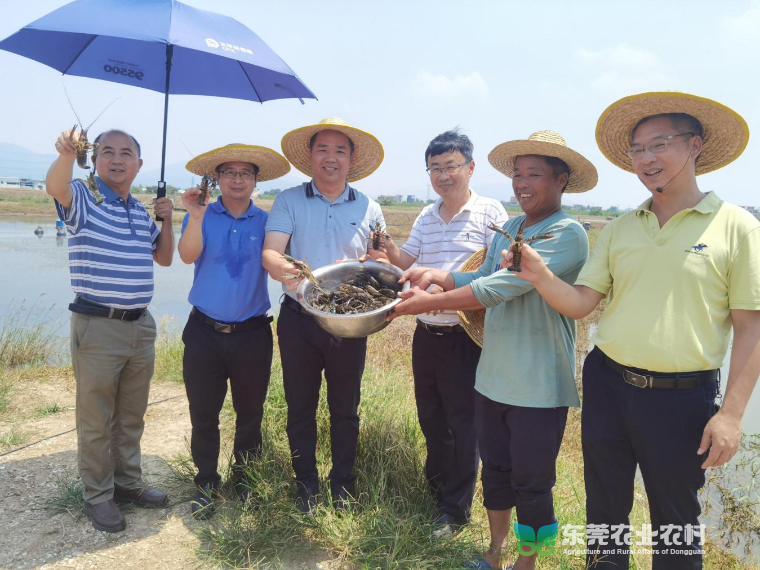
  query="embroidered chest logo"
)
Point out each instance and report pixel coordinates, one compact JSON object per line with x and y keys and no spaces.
{"x":698,"y":250}
{"x":467,"y":236}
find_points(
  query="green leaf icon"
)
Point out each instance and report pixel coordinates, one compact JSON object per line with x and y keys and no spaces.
{"x":547,"y":532}
{"x":525,"y":533}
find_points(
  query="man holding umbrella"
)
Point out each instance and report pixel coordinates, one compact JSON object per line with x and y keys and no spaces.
{"x":321,"y":221}
{"x":227,"y":335}
{"x":112,"y":248}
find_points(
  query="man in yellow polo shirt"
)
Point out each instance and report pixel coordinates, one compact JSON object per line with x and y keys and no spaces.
{"x":678,"y":272}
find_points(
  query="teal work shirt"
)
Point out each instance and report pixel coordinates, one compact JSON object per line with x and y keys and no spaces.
{"x":528,"y":356}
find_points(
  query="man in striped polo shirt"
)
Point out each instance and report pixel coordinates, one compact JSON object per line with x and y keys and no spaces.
{"x":112,"y":247}
{"x":444,"y":358}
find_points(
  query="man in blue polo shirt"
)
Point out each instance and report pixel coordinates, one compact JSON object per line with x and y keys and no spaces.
{"x":112,"y":247}
{"x":321,"y":221}
{"x":228,"y":333}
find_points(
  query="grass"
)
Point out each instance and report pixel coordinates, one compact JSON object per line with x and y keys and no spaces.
{"x":12,"y":438}
{"x":26,"y":338}
{"x":169,"y":351}
{"x":67,"y":496}
{"x":49,"y":409}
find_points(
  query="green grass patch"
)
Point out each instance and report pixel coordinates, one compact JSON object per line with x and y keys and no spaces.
{"x":66,"y":497}
{"x":26,"y":338}
{"x":169,"y":351}
{"x":49,"y":409}
{"x":12,"y":438}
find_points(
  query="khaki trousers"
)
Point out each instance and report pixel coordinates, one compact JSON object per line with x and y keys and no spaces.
{"x":113,"y":364}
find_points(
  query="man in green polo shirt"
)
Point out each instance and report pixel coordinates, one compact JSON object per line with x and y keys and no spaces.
{"x":525,"y":380}
{"x":678,"y":272}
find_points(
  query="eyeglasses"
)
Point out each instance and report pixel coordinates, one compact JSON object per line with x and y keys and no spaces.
{"x":232,"y":174}
{"x":451,"y":169}
{"x":655,"y":146}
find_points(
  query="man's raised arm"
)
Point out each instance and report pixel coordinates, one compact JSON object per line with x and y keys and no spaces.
{"x":62,"y":170}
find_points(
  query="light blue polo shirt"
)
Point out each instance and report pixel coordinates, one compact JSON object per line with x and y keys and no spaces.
{"x":322,"y":231}
{"x":230,"y":284}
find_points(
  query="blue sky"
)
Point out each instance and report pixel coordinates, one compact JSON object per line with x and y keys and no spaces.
{"x":407,"y":71}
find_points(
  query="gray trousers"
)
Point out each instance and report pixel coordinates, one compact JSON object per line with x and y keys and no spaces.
{"x":113,"y":364}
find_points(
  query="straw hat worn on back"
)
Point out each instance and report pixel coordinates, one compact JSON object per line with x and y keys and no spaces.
{"x":368,"y":152}
{"x":270,"y":162}
{"x":583,"y":175}
{"x":725,"y":136}
{"x":473,"y":321}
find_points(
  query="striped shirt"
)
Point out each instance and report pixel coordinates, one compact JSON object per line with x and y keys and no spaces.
{"x":110,"y":247}
{"x":440,"y":245}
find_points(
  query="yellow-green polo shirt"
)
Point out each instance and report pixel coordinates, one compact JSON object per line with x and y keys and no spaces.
{"x":669,"y":290}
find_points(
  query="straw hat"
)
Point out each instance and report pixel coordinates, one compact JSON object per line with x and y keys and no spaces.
{"x":473,"y":322}
{"x":368,"y":152}
{"x":270,"y":162}
{"x":725,"y":132}
{"x":583,"y":175}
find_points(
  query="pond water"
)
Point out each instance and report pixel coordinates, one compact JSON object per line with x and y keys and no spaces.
{"x":34,"y":276}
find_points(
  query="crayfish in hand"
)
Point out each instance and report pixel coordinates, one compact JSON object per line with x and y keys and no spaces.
{"x":517,"y":242}
{"x":208,"y":185}
{"x":378,"y":234}
{"x":303,"y":269}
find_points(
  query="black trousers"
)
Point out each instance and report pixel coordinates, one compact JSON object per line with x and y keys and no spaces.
{"x":519,"y":448}
{"x":210,"y":358}
{"x":444,"y":378}
{"x":306,"y":351}
{"x":659,"y":430}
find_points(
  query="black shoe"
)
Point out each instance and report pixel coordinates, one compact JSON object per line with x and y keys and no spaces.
{"x":105,"y":516}
{"x":446,"y":525}
{"x":246,"y":493}
{"x":306,"y":499}
{"x":146,"y":497}
{"x":342,"y":500}
{"x":202,"y":506}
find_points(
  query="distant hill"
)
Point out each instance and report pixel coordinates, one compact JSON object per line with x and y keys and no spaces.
{"x":18,"y":161}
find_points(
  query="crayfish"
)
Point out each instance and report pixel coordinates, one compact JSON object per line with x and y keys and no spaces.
{"x":208,"y":185}
{"x":517,"y":242}
{"x":93,"y":186}
{"x":82,"y":145}
{"x":378,"y":234}
{"x":303,"y":269}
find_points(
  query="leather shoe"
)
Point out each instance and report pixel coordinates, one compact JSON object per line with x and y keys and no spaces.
{"x":306,"y":499}
{"x":202,"y":507}
{"x":105,"y":516}
{"x":147,"y":497}
{"x":446,"y":526}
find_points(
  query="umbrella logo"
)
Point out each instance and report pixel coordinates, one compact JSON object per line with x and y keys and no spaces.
{"x":210,"y":42}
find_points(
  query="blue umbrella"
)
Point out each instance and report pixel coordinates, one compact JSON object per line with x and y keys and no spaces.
{"x":161,"y":45}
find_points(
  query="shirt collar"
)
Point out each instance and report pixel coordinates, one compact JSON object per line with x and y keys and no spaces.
{"x":219,"y":208}
{"x":468,"y":205}
{"x":348,"y":195}
{"x":706,"y":205}
{"x":109,"y":195}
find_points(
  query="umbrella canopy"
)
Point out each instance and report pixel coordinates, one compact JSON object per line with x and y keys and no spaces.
{"x":161,"y":45}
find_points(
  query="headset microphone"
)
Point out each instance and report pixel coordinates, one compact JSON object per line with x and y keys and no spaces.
{"x":661,"y":188}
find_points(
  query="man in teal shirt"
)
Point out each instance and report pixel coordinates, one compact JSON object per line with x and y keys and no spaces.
{"x":525,"y":380}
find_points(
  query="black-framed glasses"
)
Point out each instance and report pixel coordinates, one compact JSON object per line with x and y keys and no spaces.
{"x":232,"y":174}
{"x":450,"y":169}
{"x":655,"y":146}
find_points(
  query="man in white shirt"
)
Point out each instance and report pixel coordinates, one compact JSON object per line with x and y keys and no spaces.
{"x":444,"y":358}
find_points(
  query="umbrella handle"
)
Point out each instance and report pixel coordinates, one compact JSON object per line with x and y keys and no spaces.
{"x":160,"y":193}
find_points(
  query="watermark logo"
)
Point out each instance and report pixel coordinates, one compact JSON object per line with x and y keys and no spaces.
{"x":530,"y":542}
{"x":210,"y":42}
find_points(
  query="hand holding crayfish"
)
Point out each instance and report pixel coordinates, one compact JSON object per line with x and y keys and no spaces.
{"x":66,"y":145}
{"x":533,"y":267}
{"x":191,"y":202}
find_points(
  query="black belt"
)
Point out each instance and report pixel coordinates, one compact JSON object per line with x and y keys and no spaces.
{"x":247,"y":325}
{"x":660,"y":380}
{"x":291,"y":303}
{"x":440,"y":330}
{"x":93,"y":309}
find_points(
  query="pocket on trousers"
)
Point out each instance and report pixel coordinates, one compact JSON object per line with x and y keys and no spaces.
{"x":81,"y":326}
{"x":711,"y":406}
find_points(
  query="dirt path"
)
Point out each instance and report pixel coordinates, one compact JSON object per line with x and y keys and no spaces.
{"x":33,"y":537}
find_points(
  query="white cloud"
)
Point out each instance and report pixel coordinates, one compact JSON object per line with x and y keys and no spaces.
{"x":745,"y":27}
{"x":471,"y":85}
{"x":621,"y":55}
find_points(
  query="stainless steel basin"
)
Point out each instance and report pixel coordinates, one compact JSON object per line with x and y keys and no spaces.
{"x":352,"y":326}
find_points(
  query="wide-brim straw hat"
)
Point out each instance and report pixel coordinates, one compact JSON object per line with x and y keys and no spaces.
{"x":725,"y":137}
{"x":270,"y":162}
{"x":473,"y":322}
{"x":583,"y":175}
{"x":368,"y":152}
